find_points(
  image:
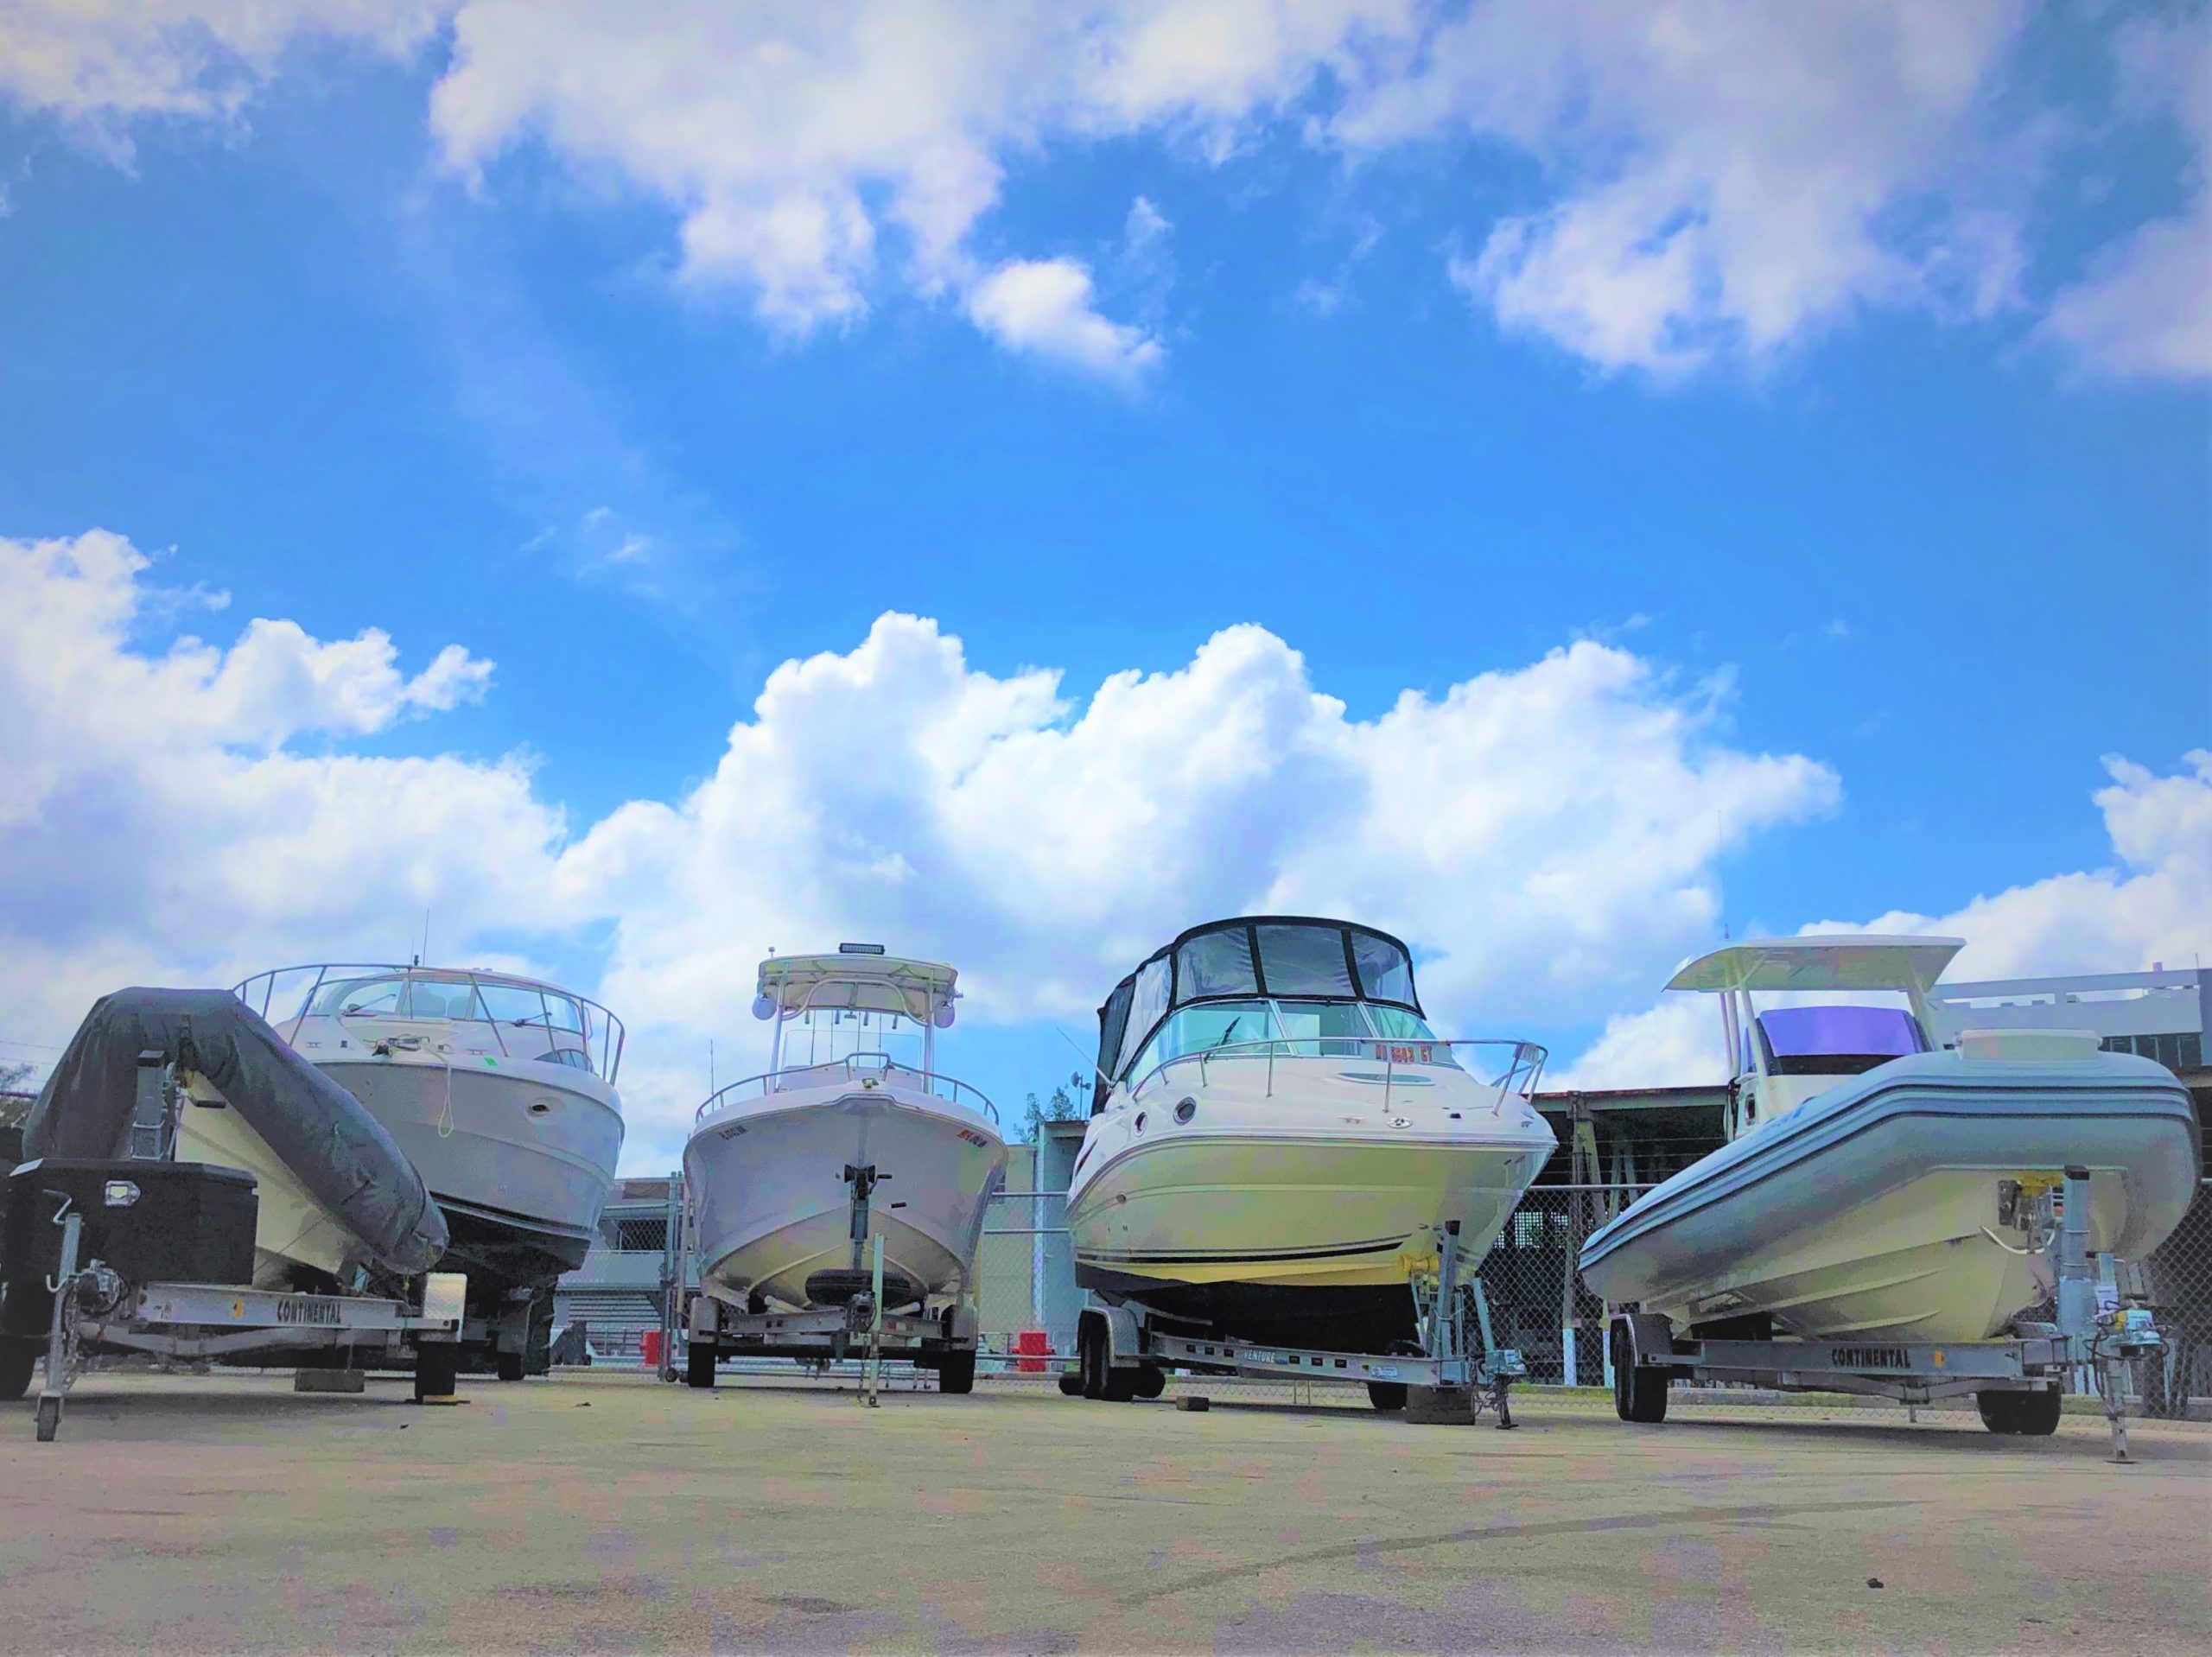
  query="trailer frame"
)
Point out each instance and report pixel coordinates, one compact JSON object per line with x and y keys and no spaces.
{"x":1124,"y":1350}
{"x":95,"y":1311}
{"x":2017,"y":1382}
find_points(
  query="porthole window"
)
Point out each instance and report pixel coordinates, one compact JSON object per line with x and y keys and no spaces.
{"x":1140,"y":1121}
{"x":1184,"y":1109}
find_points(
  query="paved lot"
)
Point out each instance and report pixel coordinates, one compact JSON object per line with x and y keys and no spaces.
{"x":606,"y":1513}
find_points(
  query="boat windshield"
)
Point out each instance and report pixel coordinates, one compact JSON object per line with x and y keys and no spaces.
{"x":1261,"y":1029}
{"x":513,"y":1016}
{"x":827,"y":1035}
{"x":1835,"y":1040}
{"x":1320,"y":982}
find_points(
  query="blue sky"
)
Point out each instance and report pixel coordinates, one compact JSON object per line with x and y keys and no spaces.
{"x":1883,"y":530}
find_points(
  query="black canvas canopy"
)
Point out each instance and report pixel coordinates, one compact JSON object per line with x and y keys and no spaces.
{"x":1299,"y":957}
{"x":339,"y":1152}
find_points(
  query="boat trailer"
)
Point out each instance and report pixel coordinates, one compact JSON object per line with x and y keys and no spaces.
{"x":2018,"y":1384}
{"x":1125,"y":1351}
{"x":95,"y":1311}
{"x":859,"y":1328}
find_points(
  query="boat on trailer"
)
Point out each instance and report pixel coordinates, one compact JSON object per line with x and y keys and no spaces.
{"x":1280,"y":1144}
{"x":501,"y":1089}
{"x":1876,"y":1188}
{"x":842,"y":1193}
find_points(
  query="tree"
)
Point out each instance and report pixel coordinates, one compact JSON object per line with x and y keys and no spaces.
{"x":1065,"y":1105}
{"x":16,"y":1096}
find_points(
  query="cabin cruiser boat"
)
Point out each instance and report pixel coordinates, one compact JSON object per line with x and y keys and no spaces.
{"x":1876,"y":1189}
{"x":850,"y":1137}
{"x":192,"y":1076}
{"x":1278,"y":1139}
{"x":501,"y":1090}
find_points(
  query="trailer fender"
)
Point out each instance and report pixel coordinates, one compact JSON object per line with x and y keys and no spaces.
{"x":962,"y":1326}
{"x":1123,"y":1347}
{"x":703,"y":1320}
{"x":1651,"y":1339}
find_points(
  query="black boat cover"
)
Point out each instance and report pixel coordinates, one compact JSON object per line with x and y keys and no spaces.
{"x":333,"y":1146}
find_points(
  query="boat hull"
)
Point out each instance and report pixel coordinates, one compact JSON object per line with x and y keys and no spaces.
{"x":771,"y":1206}
{"x":519,"y":1155}
{"x":1874,"y":1211}
{"x":1298,"y":1216}
{"x":295,"y":1239}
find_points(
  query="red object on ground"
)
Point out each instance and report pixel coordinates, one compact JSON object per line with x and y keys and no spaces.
{"x":1034,"y":1348}
{"x":650,"y":1346}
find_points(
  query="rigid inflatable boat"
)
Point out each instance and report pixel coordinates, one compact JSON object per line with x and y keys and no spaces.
{"x":1873,"y":1189}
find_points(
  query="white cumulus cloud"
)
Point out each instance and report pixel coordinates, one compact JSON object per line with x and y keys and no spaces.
{"x":1712,"y":182}
{"x":186,"y":812}
{"x":2146,"y":307}
{"x":1044,"y":307}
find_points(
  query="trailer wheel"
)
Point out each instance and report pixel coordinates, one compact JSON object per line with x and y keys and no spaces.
{"x":1387,"y":1395}
{"x":49,"y":1417}
{"x":1151,"y":1381}
{"x":2032,"y":1415}
{"x":1070,"y":1386}
{"x":1121,"y":1384}
{"x":437,"y":1369}
{"x":1639,"y":1394}
{"x":17,"y":1360}
{"x":955,"y":1371}
{"x":699,"y":1365}
{"x":510,"y":1365}
{"x":1091,"y":1356}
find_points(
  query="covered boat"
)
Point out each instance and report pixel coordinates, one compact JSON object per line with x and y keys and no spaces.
{"x":1875,"y":1188}
{"x":1278,"y":1138}
{"x":338,"y":1200}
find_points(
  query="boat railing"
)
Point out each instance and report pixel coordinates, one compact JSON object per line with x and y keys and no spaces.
{"x":854,"y":1067}
{"x":1523,"y":1060}
{"x":285,"y":994}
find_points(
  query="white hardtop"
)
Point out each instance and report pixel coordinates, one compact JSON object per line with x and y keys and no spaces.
{"x":920,"y":990}
{"x":1848,"y":960}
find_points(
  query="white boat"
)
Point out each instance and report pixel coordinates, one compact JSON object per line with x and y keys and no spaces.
{"x":1872,"y":1187}
{"x":852,"y":1085}
{"x":1278,"y":1138}
{"x":500,"y":1089}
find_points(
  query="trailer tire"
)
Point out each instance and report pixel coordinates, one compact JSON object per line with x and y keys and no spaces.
{"x":2020,"y":1415}
{"x":1121,"y":1384}
{"x":1639,"y":1391}
{"x":699,"y":1364}
{"x":1389,"y":1396}
{"x":437,"y":1368}
{"x":1070,"y":1386}
{"x":955,"y":1371}
{"x":49,"y":1417}
{"x":510,"y":1365}
{"x":1151,"y":1381}
{"x":17,"y":1360}
{"x":1091,"y":1356}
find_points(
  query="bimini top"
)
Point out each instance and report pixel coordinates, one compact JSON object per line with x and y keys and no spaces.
{"x":1289,"y":955}
{"x":1846,"y":961}
{"x":920,"y":990}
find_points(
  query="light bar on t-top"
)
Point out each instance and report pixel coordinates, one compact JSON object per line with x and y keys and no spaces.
{"x":860,"y":948}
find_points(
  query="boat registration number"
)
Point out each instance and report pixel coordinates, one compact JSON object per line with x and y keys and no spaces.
{"x":313,"y":1310}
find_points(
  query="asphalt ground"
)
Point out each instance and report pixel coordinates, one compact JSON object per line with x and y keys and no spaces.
{"x":605,"y":1512}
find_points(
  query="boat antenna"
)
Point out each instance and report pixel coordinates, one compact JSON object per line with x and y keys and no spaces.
{"x":1089,"y":1064}
{"x":426,"y":937}
{"x":710,"y":1064}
